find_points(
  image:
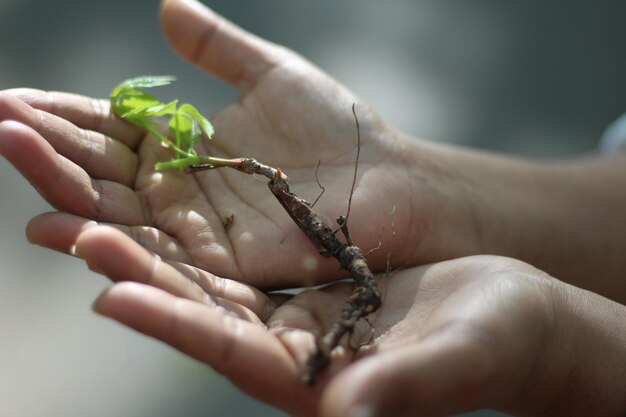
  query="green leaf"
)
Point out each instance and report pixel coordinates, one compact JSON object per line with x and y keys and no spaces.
{"x":129,"y":103}
{"x":185,"y":123}
{"x":204,"y":124}
{"x":166,"y":110}
{"x":148,"y":81}
{"x":181,"y":126}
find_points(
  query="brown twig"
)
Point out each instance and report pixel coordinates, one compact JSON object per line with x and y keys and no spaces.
{"x":356,"y":163}
{"x":319,"y":184}
{"x":393,"y":239}
{"x":366,"y":298}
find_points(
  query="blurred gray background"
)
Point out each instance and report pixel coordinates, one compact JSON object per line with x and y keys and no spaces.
{"x":541,"y":79}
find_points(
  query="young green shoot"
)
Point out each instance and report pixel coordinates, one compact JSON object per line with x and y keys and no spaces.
{"x":185,"y":123}
{"x":186,"y":128}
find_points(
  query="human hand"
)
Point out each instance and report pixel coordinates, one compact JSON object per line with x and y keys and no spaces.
{"x":448,"y":202}
{"x":481,"y":332}
{"x":291,"y":115}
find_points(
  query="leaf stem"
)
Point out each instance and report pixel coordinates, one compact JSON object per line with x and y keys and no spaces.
{"x":196,"y":163}
{"x":164,"y":139}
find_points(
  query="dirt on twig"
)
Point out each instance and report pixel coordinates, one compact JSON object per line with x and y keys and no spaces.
{"x":366,"y":298}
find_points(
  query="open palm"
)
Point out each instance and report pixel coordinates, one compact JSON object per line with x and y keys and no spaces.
{"x":443,"y":341}
{"x":92,"y":166}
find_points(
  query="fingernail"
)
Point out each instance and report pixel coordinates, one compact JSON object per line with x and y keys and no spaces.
{"x":94,"y":268}
{"x":95,"y":306}
{"x":88,"y":225}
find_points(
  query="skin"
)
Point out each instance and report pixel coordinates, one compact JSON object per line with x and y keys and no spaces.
{"x":451,"y":336}
{"x":450,"y":202}
{"x":477,"y":332}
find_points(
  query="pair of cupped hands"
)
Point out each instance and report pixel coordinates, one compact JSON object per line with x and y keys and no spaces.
{"x":453,"y":334}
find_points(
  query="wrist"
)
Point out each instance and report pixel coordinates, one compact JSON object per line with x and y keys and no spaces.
{"x":546,"y":214}
{"x":433,"y":208}
{"x":465,"y":202}
{"x":582,"y":370}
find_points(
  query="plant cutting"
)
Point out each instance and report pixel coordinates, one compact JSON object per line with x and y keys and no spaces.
{"x":186,"y":127}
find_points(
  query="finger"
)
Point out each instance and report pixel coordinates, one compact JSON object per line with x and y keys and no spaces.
{"x":59,"y":231}
{"x":312,"y":310}
{"x":244,"y":352}
{"x":217,"y":45}
{"x":64,"y":184}
{"x":116,"y":255}
{"x":99,"y":155}
{"x":445,"y":374}
{"x":85,"y":112}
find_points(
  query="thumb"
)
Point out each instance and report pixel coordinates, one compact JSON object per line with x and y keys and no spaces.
{"x":440,"y":376}
{"x":216,"y":45}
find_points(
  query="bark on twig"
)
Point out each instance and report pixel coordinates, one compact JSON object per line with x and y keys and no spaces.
{"x":365,"y":299}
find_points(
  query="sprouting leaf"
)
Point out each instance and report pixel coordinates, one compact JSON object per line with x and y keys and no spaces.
{"x":184,"y":130}
{"x":162,"y":109}
{"x":147,"y":81}
{"x":205,"y":125}
{"x":185,"y":123}
{"x":131,"y":104}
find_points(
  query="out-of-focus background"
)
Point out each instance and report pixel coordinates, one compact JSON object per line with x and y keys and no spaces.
{"x":541,"y":79}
